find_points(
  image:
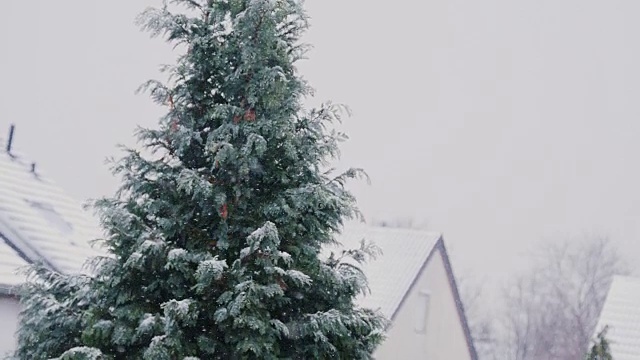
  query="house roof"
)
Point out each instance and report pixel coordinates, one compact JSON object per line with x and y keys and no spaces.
{"x":621,"y":312}
{"x":392,"y":275}
{"x":39,"y":222}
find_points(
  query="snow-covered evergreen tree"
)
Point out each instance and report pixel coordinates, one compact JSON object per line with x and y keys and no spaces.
{"x":215,"y":240}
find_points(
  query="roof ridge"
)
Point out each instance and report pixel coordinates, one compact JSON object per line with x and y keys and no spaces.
{"x":393,"y":228}
{"x":19,"y":157}
{"x":627,"y":277}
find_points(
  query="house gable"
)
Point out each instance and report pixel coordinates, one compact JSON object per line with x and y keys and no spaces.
{"x":430,"y":322}
{"x":409,"y":281}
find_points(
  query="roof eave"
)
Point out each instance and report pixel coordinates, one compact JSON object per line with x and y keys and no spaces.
{"x":14,"y":239}
{"x":439,"y":246}
{"x":456,"y":296}
{"x":9,"y":291}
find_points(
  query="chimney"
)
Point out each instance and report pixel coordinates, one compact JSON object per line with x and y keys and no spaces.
{"x":10,"y":141}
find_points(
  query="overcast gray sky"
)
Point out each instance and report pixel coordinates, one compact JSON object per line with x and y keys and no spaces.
{"x":501,"y":123}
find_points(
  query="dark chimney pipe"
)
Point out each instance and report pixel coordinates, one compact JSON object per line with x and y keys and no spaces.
{"x":11,"y":130}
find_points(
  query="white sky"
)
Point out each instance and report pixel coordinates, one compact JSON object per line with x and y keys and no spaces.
{"x":501,"y":123}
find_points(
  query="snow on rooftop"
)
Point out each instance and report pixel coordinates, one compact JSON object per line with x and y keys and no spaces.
{"x":10,"y":261}
{"x":621,"y":312}
{"x":390,"y":275}
{"x":39,"y":219}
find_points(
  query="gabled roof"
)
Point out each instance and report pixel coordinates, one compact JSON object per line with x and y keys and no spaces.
{"x":621,"y":313}
{"x":39,"y":222}
{"x":392,"y":275}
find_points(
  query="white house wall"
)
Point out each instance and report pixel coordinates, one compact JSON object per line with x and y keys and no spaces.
{"x":9,"y":311}
{"x":443,"y":337}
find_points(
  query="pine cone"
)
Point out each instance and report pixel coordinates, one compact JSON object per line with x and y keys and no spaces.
{"x":224,"y":212}
{"x":250,"y":115}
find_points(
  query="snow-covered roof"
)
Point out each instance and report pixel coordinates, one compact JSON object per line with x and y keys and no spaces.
{"x":391,"y":274}
{"x":621,"y":312}
{"x":9,"y":262}
{"x":39,"y":222}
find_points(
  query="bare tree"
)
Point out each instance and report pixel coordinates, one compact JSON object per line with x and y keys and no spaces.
{"x":551,"y":311}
